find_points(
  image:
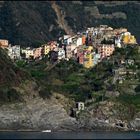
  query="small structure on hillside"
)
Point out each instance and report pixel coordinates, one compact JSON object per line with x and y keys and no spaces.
{"x":79,"y":107}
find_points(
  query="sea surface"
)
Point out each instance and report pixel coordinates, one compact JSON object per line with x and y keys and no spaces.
{"x":70,"y":135}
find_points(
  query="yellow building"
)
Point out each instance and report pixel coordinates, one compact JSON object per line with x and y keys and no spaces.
{"x":129,"y":39}
{"x":132,"y":40}
{"x":88,"y":57}
{"x":46,"y":49}
{"x":126,"y":39}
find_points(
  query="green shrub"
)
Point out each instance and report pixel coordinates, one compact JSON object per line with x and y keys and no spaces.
{"x":130,"y":100}
{"x":21,"y":63}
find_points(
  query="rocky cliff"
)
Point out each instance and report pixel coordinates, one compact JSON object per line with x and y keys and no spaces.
{"x":34,"y":113}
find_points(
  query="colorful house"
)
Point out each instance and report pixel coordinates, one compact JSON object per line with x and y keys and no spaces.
{"x":127,"y":38}
{"x":61,"y":53}
{"x":37,"y":52}
{"x":96,"y":59}
{"x":88,"y":57}
{"x":79,"y":41}
{"x":28,"y":52}
{"x":46,"y":49}
{"x":80,"y":55}
{"x":14,"y":52}
{"x":106,"y":50}
{"x":132,"y":40}
{"x":4,"y":43}
{"x":71,"y":50}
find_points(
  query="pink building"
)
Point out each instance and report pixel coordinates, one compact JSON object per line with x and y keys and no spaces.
{"x":37,"y":52}
{"x":80,"y":55}
{"x":106,"y":50}
{"x":53,"y":45}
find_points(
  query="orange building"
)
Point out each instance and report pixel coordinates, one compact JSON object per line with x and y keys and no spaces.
{"x":4,"y":43}
{"x":83,"y":40}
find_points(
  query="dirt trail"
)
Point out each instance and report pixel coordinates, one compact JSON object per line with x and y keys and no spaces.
{"x":61,"y":18}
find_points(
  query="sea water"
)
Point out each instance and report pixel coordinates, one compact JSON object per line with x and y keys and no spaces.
{"x":70,"y":135}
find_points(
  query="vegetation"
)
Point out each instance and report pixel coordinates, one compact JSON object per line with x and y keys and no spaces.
{"x":130,"y":100}
{"x":78,"y":83}
{"x":9,"y":95}
{"x":21,"y":63}
{"x":10,"y":75}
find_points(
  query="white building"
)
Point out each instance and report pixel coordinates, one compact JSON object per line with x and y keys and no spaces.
{"x":69,"y":40}
{"x":80,"y":106}
{"x":66,"y":36}
{"x":79,"y":41}
{"x":14,"y":52}
{"x":118,"y":42}
{"x":61,"y":53}
{"x":71,"y":50}
{"x":28,"y":52}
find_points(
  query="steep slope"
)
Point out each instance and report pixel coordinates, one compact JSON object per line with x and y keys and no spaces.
{"x":61,"y":19}
{"x":22,"y":107}
{"x":28,"y":23}
{"x":35,"y":22}
{"x":10,"y":74}
{"x":83,"y":14}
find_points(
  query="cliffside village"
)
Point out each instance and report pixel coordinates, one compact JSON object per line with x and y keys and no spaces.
{"x":87,"y":48}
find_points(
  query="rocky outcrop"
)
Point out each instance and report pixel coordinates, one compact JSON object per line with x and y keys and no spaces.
{"x":35,"y":115}
{"x":135,"y":123}
{"x":108,"y":116}
{"x":38,"y":114}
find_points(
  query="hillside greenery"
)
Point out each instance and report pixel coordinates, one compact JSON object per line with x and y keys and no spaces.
{"x":73,"y":80}
{"x":76,"y":82}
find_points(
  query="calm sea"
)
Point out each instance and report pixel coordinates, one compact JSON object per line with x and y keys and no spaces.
{"x":70,"y":135}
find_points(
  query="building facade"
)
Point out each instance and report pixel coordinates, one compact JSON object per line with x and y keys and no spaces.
{"x":106,"y":50}
{"x":4,"y":43}
{"x":14,"y":52}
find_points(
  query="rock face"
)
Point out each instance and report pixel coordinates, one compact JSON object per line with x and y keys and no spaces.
{"x":108,"y":116}
{"x":135,"y":123}
{"x":35,"y":115}
{"x":38,"y":114}
{"x":34,"y":112}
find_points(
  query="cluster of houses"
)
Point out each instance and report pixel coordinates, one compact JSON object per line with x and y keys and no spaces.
{"x":88,"y":47}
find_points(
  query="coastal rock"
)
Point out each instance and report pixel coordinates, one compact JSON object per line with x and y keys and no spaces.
{"x":134,"y":124}
{"x":35,"y":115}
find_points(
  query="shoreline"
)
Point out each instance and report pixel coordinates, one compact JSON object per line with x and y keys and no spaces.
{"x":26,"y":130}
